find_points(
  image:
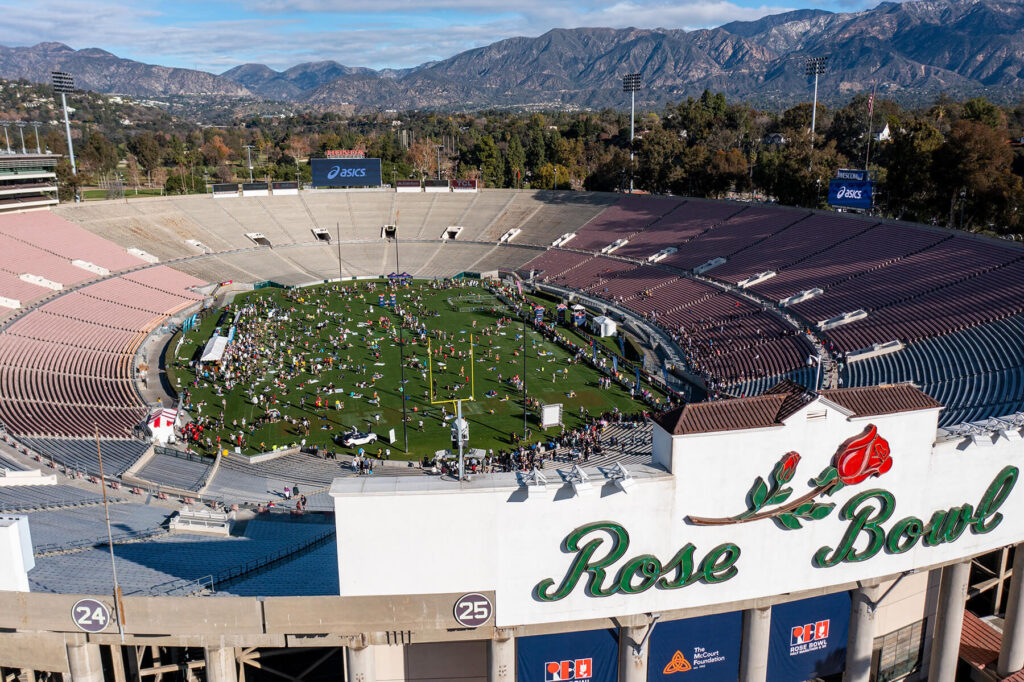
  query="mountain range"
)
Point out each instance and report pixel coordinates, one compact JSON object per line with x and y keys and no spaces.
{"x":912,"y":50}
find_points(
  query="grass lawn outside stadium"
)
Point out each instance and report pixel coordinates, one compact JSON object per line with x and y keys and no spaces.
{"x":342,"y":329}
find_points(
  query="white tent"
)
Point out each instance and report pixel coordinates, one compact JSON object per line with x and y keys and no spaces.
{"x":214,"y":349}
{"x":604,"y":326}
{"x":161,"y":425}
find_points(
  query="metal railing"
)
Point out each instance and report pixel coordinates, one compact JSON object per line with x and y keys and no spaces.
{"x":184,"y":587}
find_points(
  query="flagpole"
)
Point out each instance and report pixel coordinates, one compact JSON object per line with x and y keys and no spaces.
{"x":118,"y":604}
{"x":871,"y":117}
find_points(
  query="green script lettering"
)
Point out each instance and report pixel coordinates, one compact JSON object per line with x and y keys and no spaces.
{"x":637,"y":574}
{"x":945,"y":525}
{"x":862,"y":520}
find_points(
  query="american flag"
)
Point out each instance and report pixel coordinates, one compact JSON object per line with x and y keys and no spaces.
{"x":871,"y":103}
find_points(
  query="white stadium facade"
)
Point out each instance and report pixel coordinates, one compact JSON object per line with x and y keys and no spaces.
{"x":847,"y":506}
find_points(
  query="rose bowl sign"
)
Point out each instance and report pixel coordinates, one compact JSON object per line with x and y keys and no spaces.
{"x":716,"y":518}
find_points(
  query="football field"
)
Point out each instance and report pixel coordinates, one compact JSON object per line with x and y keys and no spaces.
{"x":308,"y":365}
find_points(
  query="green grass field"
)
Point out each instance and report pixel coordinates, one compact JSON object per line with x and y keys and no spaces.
{"x":493,"y":407}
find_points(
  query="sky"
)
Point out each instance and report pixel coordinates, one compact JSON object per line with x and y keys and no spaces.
{"x":216,"y":35}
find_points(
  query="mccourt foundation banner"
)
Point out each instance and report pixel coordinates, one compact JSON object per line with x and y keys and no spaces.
{"x":825,"y":499}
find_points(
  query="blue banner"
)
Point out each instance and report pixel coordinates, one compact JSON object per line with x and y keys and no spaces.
{"x":808,"y":638}
{"x":850,"y":193}
{"x":589,"y":656}
{"x":615,"y":364}
{"x":706,"y":649}
{"x":346,"y":172}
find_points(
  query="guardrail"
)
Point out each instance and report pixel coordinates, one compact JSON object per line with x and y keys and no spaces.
{"x":180,"y":454}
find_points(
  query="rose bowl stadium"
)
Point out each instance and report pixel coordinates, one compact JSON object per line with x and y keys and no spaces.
{"x":831,"y":493}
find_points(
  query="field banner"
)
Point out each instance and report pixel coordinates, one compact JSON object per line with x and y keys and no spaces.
{"x":850,"y":193}
{"x":435,"y":186}
{"x":589,"y":656}
{"x":346,"y":172}
{"x":808,"y":638}
{"x":408,"y":186}
{"x":225,"y":189}
{"x":464,"y":185}
{"x":284,"y":188}
{"x":707,"y":649}
{"x":255,"y":189}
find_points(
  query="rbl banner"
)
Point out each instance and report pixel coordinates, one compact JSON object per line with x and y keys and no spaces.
{"x":808,"y":638}
{"x":850,"y":193}
{"x":345,"y":172}
{"x":706,"y":649}
{"x":590,"y":656}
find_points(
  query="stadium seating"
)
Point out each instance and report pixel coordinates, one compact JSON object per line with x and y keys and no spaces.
{"x":23,"y":498}
{"x":915,"y":282}
{"x":56,"y":529}
{"x":80,"y":453}
{"x":175,"y":472}
{"x":975,"y":373}
{"x":172,"y":563}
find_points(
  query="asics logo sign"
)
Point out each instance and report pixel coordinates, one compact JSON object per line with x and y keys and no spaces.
{"x":345,"y":172}
{"x":339,"y":172}
{"x":846,"y":193}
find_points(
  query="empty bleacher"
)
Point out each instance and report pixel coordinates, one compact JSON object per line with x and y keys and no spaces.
{"x":629,"y":215}
{"x":80,"y":453}
{"x":684,"y":222}
{"x":35,"y":497}
{"x":56,"y":529}
{"x":976,"y":373}
{"x":175,"y":472}
{"x":171,"y":563}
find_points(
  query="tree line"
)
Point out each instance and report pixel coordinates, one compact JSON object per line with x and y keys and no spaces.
{"x":952,"y":163}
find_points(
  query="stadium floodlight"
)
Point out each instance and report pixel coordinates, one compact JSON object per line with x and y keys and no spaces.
{"x":631,"y":83}
{"x":401,"y":348}
{"x":438,"y":147}
{"x":21,"y":131}
{"x":815,"y":66}
{"x":65,"y":83}
{"x":6,"y":126}
{"x":35,"y":125}
{"x":248,"y":151}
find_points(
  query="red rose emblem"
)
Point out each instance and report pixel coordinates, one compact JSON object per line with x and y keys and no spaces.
{"x":863,"y":456}
{"x":787,"y":467}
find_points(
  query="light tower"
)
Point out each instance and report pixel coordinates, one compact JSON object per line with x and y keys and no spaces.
{"x":65,"y":83}
{"x":815,"y":66}
{"x":6,"y":125}
{"x":21,"y":131}
{"x":631,"y":83}
{"x":248,"y":151}
{"x":35,"y":125}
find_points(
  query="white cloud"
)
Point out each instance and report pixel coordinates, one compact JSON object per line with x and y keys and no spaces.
{"x":281,"y":33}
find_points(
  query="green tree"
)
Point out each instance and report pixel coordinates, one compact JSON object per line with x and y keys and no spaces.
{"x":487,"y":158}
{"x":99,"y":154}
{"x":910,"y":183}
{"x":515,"y":162}
{"x":982,"y":111}
{"x":146,"y":149}
{"x":975,"y":160}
